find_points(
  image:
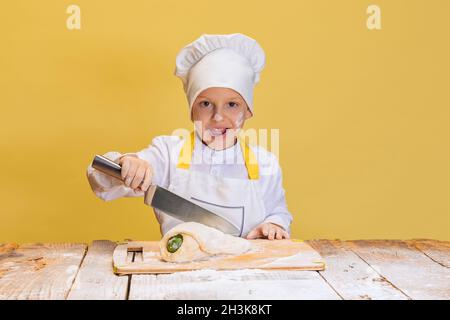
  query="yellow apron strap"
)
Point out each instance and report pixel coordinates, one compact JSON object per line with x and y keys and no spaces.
{"x":250,"y":160}
{"x":251,"y":163}
{"x":185,"y":157}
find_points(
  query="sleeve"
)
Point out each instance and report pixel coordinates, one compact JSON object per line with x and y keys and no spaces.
{"x":274,"y":195}
{"x":158,"y":156}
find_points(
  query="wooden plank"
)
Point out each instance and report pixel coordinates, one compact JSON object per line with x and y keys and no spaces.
{"x":40,"y":271}
{"x":6,"y":248}
{"x":351,"y":276}
{"x":95,"y":279}
{"x":246,"y":284}
{"x":265,"y":254}
{"x":438,"y":251}
{"x":405,"y":267}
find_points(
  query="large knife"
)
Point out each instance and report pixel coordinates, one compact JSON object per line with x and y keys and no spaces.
{"x":169,"y":202}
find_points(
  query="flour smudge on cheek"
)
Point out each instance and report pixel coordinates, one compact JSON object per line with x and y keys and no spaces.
{"x":239,"y":120}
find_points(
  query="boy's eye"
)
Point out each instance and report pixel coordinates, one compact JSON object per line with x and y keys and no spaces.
{"x":233,"y":104}
{"x":204,"y":103}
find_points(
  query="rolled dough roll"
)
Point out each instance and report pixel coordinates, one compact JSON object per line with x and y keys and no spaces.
{"x":200,"y":242}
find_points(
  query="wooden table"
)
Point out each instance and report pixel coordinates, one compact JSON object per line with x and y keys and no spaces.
{"x":362,"y":269}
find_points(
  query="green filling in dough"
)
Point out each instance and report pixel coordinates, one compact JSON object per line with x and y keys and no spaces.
{"x":174,"y":243}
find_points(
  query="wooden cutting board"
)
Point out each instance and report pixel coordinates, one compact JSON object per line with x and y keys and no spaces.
{"x":141,"y":257}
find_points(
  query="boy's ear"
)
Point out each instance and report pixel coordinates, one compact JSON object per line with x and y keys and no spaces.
{"x":248,"y":113}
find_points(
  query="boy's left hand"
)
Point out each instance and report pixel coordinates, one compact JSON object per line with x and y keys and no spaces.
{"x":268,"y":231}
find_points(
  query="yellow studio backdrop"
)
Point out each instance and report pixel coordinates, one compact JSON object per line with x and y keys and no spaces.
{"x":363,"y":114}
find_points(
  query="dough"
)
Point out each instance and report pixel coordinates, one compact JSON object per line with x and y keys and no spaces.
{"x":199,"y":242}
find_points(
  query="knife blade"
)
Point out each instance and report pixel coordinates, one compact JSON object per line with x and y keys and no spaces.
{"x":169,"y":202}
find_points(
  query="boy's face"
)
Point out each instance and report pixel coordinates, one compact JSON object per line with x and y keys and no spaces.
{"x":218,"y":114}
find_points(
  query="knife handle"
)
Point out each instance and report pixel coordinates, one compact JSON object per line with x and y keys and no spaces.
{"x":107,"y":166}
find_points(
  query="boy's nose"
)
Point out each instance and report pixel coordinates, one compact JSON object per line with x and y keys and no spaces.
{"x":217,"y":116}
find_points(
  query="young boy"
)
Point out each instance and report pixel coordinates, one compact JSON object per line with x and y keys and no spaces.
{"x":212,"y":167}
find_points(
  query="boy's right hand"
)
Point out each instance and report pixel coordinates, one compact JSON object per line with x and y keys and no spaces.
{"x":136,"y":173}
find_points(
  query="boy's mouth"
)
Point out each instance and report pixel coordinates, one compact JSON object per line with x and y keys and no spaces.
{"x":217,"y":132}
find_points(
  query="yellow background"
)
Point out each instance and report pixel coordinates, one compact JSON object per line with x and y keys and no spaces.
{"x":363,"y":115}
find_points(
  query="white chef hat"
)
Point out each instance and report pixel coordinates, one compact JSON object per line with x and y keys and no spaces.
{"x":231,"y":61}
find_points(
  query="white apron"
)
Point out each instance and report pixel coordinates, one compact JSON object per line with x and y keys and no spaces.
{"x":237,"y":200}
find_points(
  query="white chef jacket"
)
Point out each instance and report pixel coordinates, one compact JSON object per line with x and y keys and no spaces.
{"x":163,"y":154}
